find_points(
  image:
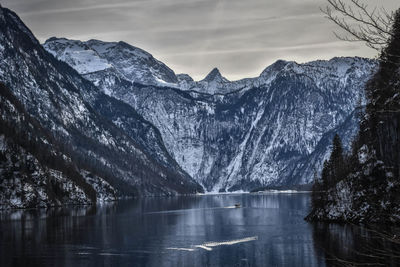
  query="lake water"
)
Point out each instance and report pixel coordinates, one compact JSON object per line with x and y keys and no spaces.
{"x":267,"y":230}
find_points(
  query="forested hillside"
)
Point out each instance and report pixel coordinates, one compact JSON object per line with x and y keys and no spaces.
{"x":363,"y":185}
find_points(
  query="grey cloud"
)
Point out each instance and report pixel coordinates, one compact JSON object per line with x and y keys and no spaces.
{"x":241,"y":37}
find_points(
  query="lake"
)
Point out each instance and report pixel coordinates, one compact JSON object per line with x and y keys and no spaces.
{"x":267,"y":230}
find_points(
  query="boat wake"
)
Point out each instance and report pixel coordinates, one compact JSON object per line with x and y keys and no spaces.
{"x":210,"y":245}
{"x":186,"y":210}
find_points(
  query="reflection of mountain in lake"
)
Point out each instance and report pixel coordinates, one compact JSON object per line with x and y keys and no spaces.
{"x":267,"y":230}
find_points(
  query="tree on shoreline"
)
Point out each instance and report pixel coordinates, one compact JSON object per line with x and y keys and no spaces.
{"x":365,"y":185}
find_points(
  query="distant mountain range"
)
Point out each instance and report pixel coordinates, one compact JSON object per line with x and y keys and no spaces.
{"x":237,"y":135}
{"x":128,"y":125}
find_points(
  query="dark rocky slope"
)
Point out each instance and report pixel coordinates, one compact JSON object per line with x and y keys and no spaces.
{"x":365,"y":187}
{"x":239,"y":135}
{"x":130,"y":155}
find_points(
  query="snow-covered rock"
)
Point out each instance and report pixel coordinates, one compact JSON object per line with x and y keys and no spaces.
{"x":132,"y":63}
{"x":232,"y":135}
{"x":100,"y":136}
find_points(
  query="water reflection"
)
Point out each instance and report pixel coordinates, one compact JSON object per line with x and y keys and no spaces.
{"x":352,"y":245}
{"x":268,"y":230}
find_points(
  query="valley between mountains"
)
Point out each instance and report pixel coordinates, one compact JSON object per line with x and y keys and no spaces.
{"x":117,"y":122}
{"x":240,"y":135}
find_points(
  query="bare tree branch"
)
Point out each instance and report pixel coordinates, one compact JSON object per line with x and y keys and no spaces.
{"x":373,"y":27}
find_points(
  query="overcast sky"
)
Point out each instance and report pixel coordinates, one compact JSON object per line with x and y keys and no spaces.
{"x":240,"y":37}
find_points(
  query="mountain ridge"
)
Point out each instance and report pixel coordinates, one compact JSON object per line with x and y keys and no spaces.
{"x":233,"y":127}
{"x":131,"y":154}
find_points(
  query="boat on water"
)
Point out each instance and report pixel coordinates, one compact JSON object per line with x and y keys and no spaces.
{"x":237,"y":205}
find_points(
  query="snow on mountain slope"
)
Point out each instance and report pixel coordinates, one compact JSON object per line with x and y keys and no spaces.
{"x":132,"y":63}
{"x":119,"y":60}
{"x":253,"y":132}
{"x":82,"y":57}
{"x":102,"y":136}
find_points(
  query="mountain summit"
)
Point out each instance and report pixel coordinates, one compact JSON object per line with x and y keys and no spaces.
{"x":119,"y":110}
{"x":215,"y":76}
{"x":92,"y":56}
{"x":239,"y":135}
{"x":91,"y":147}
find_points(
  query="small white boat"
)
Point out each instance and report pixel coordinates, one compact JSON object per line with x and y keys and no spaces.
{"x":237,"y":205}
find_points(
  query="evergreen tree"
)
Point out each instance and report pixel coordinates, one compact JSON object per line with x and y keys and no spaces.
{"x":333,"y":171}
{"x":336,"y":160}
{"x":381,"y":128}
{"x":334,"y":168}
{"x":374,"y":182}
{"x":326,"y":176}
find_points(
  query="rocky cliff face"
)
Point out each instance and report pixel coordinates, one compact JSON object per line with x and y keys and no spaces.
{"x":132,"y":63}
{"x":100,"y":135}
{"x":366,"y":188}
{"x":34,"y":168}
{"x":244,"y":134}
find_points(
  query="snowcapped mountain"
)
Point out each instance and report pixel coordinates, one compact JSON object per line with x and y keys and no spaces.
{"x":233,"y":135}
{"x":121,"y":62}
{"x":101,"y":137}
{"x":131,"y":63}
{"x":210,"y":84}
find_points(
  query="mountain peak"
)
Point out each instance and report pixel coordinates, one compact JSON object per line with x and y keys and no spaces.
{"x":52,"y":39}
{"x":133,"y":63}
{"x":276,"y":66}
{"x":214,"y":75}
{"x":184,"y":77}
